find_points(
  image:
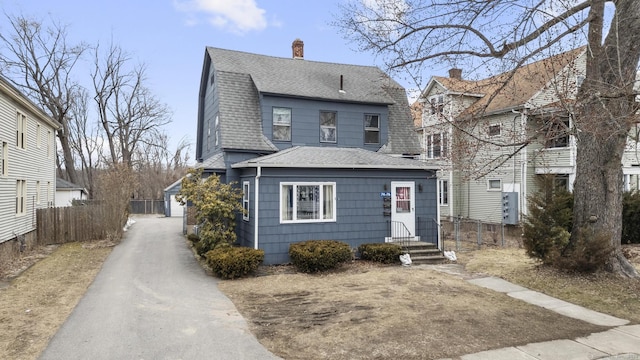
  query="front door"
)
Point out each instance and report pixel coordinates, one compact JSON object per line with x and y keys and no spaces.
{"x":403,"y":207}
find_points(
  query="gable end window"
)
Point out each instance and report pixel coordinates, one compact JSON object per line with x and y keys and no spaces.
{"x":21,"y":130}
{"x":281,"y":124}
{"x":307,"y":202}
{"x":328,"y":128}
{"x":437,"y":104}
{"x":556,"y":133}
{"x":372,"y":129}
{"x":245,"y":200}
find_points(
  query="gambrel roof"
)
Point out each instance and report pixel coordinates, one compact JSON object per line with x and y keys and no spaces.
{"x":242,"y":78}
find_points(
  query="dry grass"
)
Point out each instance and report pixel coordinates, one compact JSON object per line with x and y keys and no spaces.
{"x":601,"y":292}
{"x":36,"y":303}
{"x":388,"y":312}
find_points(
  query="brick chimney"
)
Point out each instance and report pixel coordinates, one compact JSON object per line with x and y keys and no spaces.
{"x":455,"y":73}
{"x":298,"y":49}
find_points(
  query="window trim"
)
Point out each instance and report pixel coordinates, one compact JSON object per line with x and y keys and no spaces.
{"x":499,"y":126}
{"x":21,"y":130}
{"x":334,"y":127}
{"x":553,"y":126}
{"x":21,"y":197}
{"x":430,"y":145}
{"x":4,"y":159}
{"x":273,"y":123}
{"x":246,"y":191}
{"x":437,"y":104}
{"x":489,"y":188}
{"x":371,"y":129}
{"x":443,"y":184}
{"x":321,"y":201}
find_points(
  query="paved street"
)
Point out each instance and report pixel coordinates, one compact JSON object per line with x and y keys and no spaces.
{"x":151,"y":300}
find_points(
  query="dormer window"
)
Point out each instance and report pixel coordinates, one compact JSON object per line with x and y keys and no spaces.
{"x":281,"y":124}
{"x":372,"y":129}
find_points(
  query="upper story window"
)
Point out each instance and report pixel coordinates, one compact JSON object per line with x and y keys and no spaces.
{"x":4,"y":159}
{"x":371,"y":128}
{"x":21,"y":130}
{"x":437,"y":145}
{"x":216,"y":132}
{"x":494,"y":130}
{"x":281,"y":124}
{"x":556,"y":133}
{"x":437,"y":104}
{"x":328,"y":128}
{"x":307,"y":202}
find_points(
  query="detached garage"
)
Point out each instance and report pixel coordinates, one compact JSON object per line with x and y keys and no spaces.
{"x":172,"y":206}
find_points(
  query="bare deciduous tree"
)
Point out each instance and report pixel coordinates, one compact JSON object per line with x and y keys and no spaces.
{"x":128,"y":112}
{"x":506,"y":34}
{"x":43,"y":61}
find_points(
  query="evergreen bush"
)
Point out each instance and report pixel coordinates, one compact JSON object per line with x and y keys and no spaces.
{"x":319,"y":255}
{"x":229,"y":262}
{"x":385,"y":253}
{"x":631,"y":218}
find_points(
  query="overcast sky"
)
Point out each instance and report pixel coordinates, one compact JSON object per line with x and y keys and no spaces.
{"x":170,"y":37}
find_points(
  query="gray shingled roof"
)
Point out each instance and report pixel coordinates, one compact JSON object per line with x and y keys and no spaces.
{"x":213,"y":162}
{"x":62,"y":184}
{"x":304,"y":78}
{"x":333,"y":158}
{"x":243,"y":76}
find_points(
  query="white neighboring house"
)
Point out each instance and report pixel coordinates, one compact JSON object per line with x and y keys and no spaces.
{"x":66,"y":192}
{"x":530,"y":104}
{"x":27,"y":162}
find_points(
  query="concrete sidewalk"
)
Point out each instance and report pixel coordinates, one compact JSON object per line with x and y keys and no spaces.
{"x":620,"y":343}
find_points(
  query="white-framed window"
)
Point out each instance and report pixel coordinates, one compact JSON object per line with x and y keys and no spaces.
{"x":443,"y":196}
{"x":561,"y":182}
{"x":245,"y":200}
{"x":38,"y":136}
{"x":494,"y":185}
{"x":371,"y":128}
{"x":216,"y":132}
{"x":437,"y":145}
{"x":38,"y":192}
{"x":437,"y":104}
{"x":494,"y":130}
{"x":281,"y":124}
{"x":49,"y":143}
{"x":21,"y":130}
{"x":556,"y":133}
{"x":579,"y":80}
{"x":4,"y":159}
{"x":328,"y":126}
{"x":21,"y":197}
{"x":307,"y":202}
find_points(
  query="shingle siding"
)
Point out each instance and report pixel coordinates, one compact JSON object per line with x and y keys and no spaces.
{"x":359,"y":217}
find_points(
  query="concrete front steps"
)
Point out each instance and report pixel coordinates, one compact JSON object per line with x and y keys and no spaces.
{"x":423,"y":253}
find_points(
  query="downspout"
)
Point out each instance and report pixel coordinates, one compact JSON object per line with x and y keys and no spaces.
{"x":256,"y":206}
{"x":523,"y":181}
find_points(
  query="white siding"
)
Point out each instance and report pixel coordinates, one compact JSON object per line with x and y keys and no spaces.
{"x":30,"y":164}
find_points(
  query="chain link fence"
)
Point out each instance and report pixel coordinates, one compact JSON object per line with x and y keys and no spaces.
{"x":469,"y":234}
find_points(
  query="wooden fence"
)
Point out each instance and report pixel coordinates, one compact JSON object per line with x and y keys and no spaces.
{"x":68,"y":224}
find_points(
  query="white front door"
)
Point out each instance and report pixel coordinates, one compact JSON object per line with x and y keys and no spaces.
{"x":403,"y":207}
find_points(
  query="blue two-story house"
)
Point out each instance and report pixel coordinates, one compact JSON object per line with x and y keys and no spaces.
{"x":320,"y":150}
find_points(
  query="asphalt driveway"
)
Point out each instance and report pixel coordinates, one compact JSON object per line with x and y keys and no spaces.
{"x":152,"y":300}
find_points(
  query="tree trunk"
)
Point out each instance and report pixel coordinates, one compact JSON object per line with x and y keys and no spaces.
{"x":69,"y":164}
{"x":606,"y":110}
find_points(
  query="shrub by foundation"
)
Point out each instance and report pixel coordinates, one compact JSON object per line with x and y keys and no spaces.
{"x":319,"y":255}
{"x":228,"y":262}
{"x":385,"y":253}
{"x":193,"y":238}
